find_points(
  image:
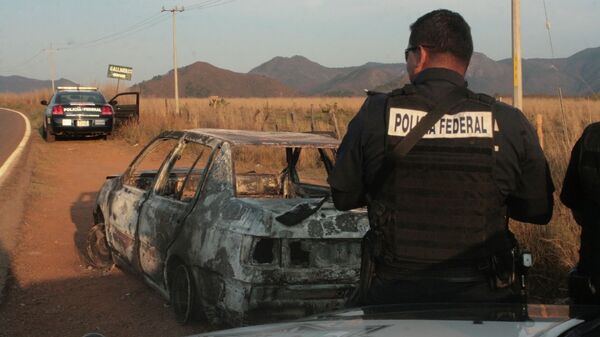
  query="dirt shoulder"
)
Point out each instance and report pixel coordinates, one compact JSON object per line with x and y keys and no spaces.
{"x":13,"y":193}
{"x":51,"y":292}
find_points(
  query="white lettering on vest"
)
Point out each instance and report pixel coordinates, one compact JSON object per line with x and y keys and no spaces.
{"x":466,"y":124}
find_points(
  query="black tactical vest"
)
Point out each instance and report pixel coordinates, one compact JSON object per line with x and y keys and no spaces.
{"x":589,"y":162}
{"x":439,"y":205}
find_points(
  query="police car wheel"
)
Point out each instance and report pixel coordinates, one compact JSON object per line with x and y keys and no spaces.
{"x":48,"y":137}
{"x":181,"y":293}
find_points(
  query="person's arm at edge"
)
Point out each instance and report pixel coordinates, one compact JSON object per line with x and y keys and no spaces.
{"x":345,"y":180}
{"x":533,"y":201}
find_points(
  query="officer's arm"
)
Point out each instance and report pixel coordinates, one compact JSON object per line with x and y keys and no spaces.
{"x":572,"y":193}
{"x":345,"y":201}
{"x":346,"y":179}
{"x":532,"y":201}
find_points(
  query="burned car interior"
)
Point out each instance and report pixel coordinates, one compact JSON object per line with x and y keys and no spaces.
{"x":293,"y":173}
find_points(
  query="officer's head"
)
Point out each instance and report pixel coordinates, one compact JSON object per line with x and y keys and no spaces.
{"x":439,"y":39}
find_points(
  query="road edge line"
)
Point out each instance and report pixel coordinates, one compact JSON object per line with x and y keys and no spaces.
{"x":15,"y":155}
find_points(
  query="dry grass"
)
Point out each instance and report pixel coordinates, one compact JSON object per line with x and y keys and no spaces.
{"x":555,"y":246}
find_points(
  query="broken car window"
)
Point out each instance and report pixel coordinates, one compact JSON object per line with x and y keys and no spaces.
{"x":186,"y":172}
{"x":145,"y":168}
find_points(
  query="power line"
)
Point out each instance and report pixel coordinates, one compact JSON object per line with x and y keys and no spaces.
{"x":560,"y":94}
{"x":139,"y":26}
{"x":208,"y":4}
{"x":22,"y":65}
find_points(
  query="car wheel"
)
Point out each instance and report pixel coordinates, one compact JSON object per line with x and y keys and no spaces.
{"x":181,"y":293}
{"x":48,"y":137}
{"x":97,"y":252}
{"x":107,"y":136}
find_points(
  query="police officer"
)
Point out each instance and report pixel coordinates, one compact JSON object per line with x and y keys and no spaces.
{"x":581,"y":193}
{"x":439,"y":201}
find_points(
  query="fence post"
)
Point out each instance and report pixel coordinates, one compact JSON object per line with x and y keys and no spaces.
{"x":332,"y":113}
{"x":312,"y":119}
{"x":539,"y":126}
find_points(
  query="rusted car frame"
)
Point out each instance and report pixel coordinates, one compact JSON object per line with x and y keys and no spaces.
{"x":231,"y":245}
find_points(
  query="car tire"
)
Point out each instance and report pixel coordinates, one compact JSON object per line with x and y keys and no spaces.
{"x":97,"y":252}
{"x":48,"y":137}
{"x":182,"y":293}
{"x":108,"y":136}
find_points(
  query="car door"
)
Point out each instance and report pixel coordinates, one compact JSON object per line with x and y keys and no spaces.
{"x":127,"y":200}
{"x":126,"y":106}
{"x":173,"y":197}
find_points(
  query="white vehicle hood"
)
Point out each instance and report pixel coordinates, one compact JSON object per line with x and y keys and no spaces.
{"x":540,"y":321}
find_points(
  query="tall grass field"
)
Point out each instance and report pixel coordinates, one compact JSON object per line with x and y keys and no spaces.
{"x":554,"y":246}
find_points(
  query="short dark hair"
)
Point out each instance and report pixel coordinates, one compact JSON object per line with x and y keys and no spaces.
{"x":443,"y":31}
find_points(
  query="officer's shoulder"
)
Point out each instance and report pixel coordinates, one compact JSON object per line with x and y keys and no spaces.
{"x":371,"y":93}
{"x":506,"y":110}
{"x":592,"y":128}
{"x":484,"y":99}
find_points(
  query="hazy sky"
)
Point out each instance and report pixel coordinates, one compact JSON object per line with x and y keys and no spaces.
{"x":241,"y":34}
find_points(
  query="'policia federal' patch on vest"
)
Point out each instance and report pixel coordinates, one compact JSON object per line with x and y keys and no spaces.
{"x":467,"y":124}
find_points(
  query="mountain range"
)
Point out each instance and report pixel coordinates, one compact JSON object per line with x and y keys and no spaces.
{"x":20,"y":84}
{"x":576,"y":75}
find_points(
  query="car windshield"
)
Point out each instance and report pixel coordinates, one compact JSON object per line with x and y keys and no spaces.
{"x":80,"y":98}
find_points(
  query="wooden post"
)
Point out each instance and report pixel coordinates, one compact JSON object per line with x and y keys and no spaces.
{"x":516,"y":55}
{"x":335,"y":122}
{"x":539,"y":126}
{"x":312,"y":119}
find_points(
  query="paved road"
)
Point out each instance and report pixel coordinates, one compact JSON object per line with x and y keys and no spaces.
{"x":14,"y":181}
{"x":12,"y":130}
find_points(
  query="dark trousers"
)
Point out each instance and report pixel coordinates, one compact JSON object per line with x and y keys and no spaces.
{"x":437,"y":290}
{"x":583,"y":288}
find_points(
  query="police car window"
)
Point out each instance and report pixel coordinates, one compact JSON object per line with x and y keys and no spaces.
{"x":186,"y":172}
{"x":143,"y":172}
{"x":80,"y":97}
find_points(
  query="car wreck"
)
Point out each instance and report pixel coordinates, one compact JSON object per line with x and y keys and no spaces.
{"x":233,"y":226}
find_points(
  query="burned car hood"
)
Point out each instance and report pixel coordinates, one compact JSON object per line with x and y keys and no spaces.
{"x":308,"y":217}
{"x":433,"y":320}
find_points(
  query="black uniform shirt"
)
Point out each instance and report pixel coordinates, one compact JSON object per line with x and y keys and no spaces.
{"x":585,"y":211}
{"x":521,"y":171}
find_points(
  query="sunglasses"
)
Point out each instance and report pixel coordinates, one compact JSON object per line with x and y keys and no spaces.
{"x":409,"y":49}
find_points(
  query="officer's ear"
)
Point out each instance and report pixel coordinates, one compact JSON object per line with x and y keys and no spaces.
{"x":423,"y":59}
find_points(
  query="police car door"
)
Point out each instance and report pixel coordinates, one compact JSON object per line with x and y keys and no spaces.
{"x":126,"y":106}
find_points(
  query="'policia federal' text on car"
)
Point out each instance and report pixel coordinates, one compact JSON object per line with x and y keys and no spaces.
{"x":83,"y":111}
{"x":234,"y":225}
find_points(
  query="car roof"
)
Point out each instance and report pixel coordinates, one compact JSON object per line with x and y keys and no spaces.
{"x":271,"y":138}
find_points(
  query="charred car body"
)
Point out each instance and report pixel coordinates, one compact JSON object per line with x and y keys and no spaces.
{"x":234,"y":225}
{"x":83,"y":111}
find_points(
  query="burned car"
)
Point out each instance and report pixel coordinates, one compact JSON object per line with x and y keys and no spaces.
{"x":234,"y":226}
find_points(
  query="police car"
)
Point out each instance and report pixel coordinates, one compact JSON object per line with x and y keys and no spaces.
{"x":83,"y":111}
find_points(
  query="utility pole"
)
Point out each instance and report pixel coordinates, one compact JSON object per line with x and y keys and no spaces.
{"x":516,"y":55}
{"x":173,"y":12}
{"x":51,"y":52}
